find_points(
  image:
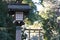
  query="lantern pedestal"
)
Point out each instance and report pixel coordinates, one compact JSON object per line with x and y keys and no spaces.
{"x":18,"y":33}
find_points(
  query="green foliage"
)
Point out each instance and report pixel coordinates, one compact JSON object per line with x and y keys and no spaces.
{"x":48,"y":19}
{"x":5,"y":36}
{"x":24,"y":35}
{"x":41,"y":1}
{"x":6,"y":23}
{"x":31,"y":15}
{"x":49,"y":23}
{"x":3,"y":13}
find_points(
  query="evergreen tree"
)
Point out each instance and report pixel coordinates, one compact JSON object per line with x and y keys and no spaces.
{"x":49,"y":20}
{"x":5,"y":22}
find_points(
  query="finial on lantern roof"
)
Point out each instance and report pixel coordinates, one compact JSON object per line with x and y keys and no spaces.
{"x":19,"y":1}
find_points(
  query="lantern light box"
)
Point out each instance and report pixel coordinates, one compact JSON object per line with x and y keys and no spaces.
{"x":19,"y":16}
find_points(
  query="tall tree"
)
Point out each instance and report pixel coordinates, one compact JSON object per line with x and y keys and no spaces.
{"x":4,"y":22}
{"x":49,"y":15}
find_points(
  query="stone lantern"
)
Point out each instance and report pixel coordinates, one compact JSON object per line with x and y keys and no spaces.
{"x":18,"y":11}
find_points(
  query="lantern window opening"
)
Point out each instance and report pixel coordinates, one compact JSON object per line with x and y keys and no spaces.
{"x":19,"y":15}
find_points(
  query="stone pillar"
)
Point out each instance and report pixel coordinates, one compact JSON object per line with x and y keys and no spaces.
{"x":18,"y":33}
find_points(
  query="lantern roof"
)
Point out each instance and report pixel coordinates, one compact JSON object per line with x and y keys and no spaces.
{"x":19,"y":7}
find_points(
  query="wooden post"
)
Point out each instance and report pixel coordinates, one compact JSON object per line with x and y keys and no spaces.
{"x":29,"y":34}
{"x":39,"y":35}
